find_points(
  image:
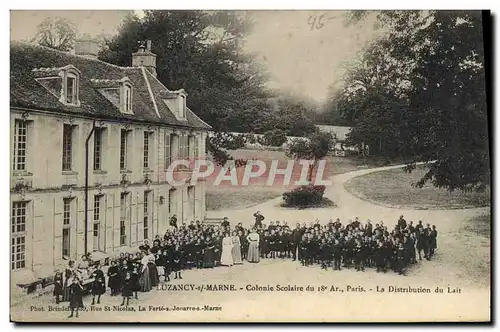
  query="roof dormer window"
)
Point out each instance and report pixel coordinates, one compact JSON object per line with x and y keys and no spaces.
{"x":176,"y":103}
{"x":62,"y":82}
{"x":182,"y":106}
{"x":70,"y":86}
{"x":71,"y":89}
{"x":126,"y":106}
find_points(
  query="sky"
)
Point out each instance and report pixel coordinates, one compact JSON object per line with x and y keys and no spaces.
{"x":304,"y":51}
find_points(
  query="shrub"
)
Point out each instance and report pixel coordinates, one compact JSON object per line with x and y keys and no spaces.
{"x":304,"y":196}
{"x":275,"y":137}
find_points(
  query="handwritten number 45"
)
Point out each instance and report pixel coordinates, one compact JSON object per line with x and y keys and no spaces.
{"x":316,"y":22}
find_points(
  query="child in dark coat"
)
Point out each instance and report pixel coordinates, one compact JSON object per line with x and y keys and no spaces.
{"x":127,"y":288}
{"x":134,"y":277}
{"x":177,"y":262}
{"x":76,"y":294}
{"x":98,"y":285}
{"x":58,"y":286}
{"x":114,"y":278}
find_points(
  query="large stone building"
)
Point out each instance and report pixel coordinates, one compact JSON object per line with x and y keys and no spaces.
{"x":65,"y":107}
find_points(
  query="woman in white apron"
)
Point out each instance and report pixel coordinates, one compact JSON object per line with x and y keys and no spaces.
{"x":227,"y":247}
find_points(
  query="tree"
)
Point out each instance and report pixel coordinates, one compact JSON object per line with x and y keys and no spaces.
{"x":275,"y":137}
{"x":419,"y":92}
{"x":315,"y":148}
{"x":57,"y":33}
{"x":202,"y":52}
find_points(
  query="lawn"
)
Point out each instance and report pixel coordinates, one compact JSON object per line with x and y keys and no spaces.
{"x":394,"y":188}
{"x":480,"y":225}
{"x":227,"y":196}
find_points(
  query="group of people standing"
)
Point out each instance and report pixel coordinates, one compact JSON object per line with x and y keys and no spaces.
{"x":351,"y":245}
{"x":200,"y":245}
{"x":77,"y":279}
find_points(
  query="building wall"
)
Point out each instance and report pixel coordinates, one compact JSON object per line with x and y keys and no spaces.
{"x":43,"y":185}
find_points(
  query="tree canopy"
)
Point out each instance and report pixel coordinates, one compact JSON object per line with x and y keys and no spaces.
{"x":419,"y":92}
{"x":57,"y":33}
{"x":202,"y":52}
{"x":314,"y":148}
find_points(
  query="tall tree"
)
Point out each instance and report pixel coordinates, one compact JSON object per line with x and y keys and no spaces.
{"x":202,"y":52}
{"x":420,"y":92}
{"x":57,"y":33}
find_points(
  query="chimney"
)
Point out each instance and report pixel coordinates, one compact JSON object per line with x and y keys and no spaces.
{"x":87,"y":47}
{"x":145,"y":58}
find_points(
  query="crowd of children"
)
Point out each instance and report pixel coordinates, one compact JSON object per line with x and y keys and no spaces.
{"x":351,"y":245}
{"x":200,"y":245}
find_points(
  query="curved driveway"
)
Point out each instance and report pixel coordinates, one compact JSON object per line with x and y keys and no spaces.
{"x":349,"y":206}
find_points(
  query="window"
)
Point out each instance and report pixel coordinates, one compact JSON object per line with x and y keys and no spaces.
{"x":123,"y":218}
{"x":192,"y":147}
{"x":171,"y":202}
{"x":146,"y":149}
{"x":168,"y":150}
{"x":97,"y":222}
{"x":196,"y":147}
{"x":20,"y":141}
{"x":71,"y":91}
{"x":67,"y":147}
{"x":98,"y":148}
{"x":97,"y":208}
{"x":67,"y":211}
{"x":182,"y":107}
{"x":97,"y":233}
{"x":18,"y":235}
{"x":66,"y":232}
{"x":123,"y":149}
{"x":127,"y":99}
{"x":146,"y":214}
{"x":192,"y":200}
{"x":183,"y":147}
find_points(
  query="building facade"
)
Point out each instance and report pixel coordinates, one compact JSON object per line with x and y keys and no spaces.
{"x":91,"y":143}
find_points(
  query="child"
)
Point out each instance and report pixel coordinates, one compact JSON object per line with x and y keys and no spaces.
{"x":114,"y":278}
{"x":99,"y":284}
{"x":160,"y":264}
{"x":177,"y":262}
{"x":198,"y":254}
{"x":337,"y":255}
{"x":58,"y":286}
{"x":136,"y":286}
{"x":76,"y":293}
{"x":127,"y":288}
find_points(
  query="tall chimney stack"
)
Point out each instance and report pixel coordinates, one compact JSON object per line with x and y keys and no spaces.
{"x":145,"y":58}
{"x":86,"y":46}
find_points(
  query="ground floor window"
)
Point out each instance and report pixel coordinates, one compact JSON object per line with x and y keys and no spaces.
{"x":66,"y":241}
{"x":146,"y":214}
{"x":18,"y":235}
{"x":172,"y":204}
{"x":97,"y":233}
{"x":18,"y":252}
{"x":123,"y":234}
{"x":123,"y":218}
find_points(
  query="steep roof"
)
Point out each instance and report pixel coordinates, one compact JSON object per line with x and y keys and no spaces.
{"x":147,"y":104}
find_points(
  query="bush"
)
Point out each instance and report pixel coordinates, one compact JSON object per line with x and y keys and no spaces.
{"x":275,"y":137}
{"x":304,"y":196}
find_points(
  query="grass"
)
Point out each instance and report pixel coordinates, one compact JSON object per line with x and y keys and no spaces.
{"x":394,"y":188}
{"x":222,"y":199}
{"x":237,"y":197}
{"x":480,"y":225}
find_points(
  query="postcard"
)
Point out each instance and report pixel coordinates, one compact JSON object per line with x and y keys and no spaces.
{"x":249,"y":166}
